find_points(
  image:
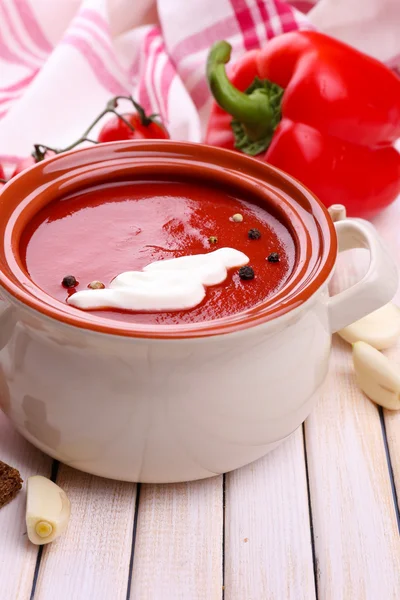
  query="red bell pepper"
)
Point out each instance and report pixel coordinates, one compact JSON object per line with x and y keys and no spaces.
{"x":316,"y":108}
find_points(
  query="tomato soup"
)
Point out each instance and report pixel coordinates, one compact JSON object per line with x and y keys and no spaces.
{"x":98,"y":233}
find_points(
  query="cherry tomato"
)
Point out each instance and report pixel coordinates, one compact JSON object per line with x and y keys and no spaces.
{"x":115,"y":129}
{"x":27,"y":162}
{"x":2,"y":176}
{"x":23,"y":164}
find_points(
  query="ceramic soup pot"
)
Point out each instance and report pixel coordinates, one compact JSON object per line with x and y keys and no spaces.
{"x":165,"y":403}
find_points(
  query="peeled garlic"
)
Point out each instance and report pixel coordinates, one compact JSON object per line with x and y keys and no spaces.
{"x":380,"y":329}
{"x":47,"y":510}
{"x":377,"y":376}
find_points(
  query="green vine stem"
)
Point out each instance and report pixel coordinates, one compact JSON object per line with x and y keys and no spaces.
{"x":40,"y":150}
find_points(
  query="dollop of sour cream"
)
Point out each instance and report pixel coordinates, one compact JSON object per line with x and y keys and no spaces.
{"x":164,"y":285}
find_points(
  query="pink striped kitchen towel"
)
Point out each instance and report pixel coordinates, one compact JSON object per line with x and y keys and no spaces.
{"x":61,"y":60}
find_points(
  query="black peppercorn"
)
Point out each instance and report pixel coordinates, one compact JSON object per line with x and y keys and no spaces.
{"x":273,"y":257}
{"x":69,"y":281}
{"x":254,"y":234}
{"x":246,"y":273}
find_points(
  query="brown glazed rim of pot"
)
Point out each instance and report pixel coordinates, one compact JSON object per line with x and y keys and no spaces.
{"x":308,"y":221}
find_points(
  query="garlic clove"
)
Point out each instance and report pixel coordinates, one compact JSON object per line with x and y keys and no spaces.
{"x":377,"y":376}
{"x":47,"y":510}
{"x":380,"y":329}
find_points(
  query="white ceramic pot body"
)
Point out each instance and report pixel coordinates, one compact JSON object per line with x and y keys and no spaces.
{"x":157,"y":410}
{"x":164,"y":410}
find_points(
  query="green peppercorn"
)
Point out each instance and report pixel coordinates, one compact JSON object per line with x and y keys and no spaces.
{"x":212,"y":239}
{"x":96,"y":285}
{"x":237,"y":218}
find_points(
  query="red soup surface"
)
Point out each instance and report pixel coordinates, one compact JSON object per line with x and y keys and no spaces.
{"x":103,"y":231}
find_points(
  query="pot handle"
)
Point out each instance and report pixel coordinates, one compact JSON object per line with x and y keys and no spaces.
{"x":376,"y":288}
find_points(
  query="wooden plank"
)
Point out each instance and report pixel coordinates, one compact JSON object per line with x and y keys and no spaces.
{"x":91,"y":560}
{"x":387,"y":225}
{"x":356,"y":537}
{"x":392,"y":423}
{"x":17,"y":555}
{"x":357,"y":544}
{"x":268,"y":553}
{"x":178,"y":551}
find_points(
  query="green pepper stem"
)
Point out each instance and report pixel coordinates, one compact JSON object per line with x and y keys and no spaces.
{"x":253,"y":111}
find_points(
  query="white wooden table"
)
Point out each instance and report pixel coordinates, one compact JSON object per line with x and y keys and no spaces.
{"x":316,"y":518}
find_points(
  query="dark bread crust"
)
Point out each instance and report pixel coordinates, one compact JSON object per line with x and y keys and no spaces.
{"x":10,"y":483}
